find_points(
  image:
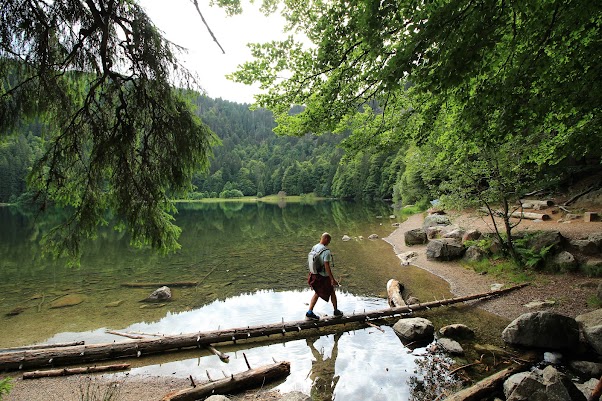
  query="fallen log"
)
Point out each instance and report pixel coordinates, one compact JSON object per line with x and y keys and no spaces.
{"x":537,"y":202}
{"x":483,"y":388}
{"x":74,"y":371}
{"x":40,"y":346}
{"x":531,"y":216}
{"x":143,"y":347}
{"x":233,"y":384}
{"x":161,"y":284}
{"x":394,"y":289}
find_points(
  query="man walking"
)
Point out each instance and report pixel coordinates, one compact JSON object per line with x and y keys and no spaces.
{"x":323,"y":281}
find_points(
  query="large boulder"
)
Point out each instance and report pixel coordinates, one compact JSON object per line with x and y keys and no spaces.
{"x":415,"y":237}
{"x":543,"y":330}
{"x":414,"y":329}
{"x":444,"y":249}
{"x":544,"y":239}
{"x":471,"y":235}
{"x":586,"y":368}
{"x":546,"y":384}
{"x":585,"y":247}
{"x":591,"y":327}
{"x":435,"y":220}
{"x":564,"y":262}
{"x":473,"y":254}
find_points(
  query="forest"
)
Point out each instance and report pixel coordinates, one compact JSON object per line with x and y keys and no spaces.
{"x":472,"y":103}
{"x":250,"y":160}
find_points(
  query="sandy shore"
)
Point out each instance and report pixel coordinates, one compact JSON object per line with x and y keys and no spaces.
{"x":570,"y":294}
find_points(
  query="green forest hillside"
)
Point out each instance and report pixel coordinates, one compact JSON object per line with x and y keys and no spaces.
{"x":251,"y":160}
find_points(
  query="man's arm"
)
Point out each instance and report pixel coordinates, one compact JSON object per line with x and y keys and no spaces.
{"x":333,"y":281}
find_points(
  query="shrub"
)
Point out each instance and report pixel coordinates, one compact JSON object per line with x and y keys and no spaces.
{"x":231,"y":193}
{"x":5,"y":386}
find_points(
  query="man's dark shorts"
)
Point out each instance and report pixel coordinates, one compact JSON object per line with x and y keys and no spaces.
{"x":321,"y":285}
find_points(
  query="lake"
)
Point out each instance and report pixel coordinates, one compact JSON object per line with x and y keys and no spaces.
{"x":249,"y":260}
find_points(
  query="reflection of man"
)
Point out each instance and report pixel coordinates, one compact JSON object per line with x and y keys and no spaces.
{"x":322,"y":371}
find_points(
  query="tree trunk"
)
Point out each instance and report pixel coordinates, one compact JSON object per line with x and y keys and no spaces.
{"x":136,"y":348}
{"x":233,"y":384}
{"x":74,"y":371}
{"x":483,"y":388}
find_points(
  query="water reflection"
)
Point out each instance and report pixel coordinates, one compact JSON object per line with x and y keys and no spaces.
{"x":323,"y":376}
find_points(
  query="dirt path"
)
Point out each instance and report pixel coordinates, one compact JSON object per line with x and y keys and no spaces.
{"x":569,"y":292}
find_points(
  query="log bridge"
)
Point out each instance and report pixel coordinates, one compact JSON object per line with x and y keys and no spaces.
{"x":79,"y":354}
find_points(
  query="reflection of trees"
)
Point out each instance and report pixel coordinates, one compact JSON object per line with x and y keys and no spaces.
{"x":432,"y":380}
{"x":322,"y":371}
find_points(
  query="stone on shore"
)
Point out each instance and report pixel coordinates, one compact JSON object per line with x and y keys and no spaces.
{"x":545,"y":329}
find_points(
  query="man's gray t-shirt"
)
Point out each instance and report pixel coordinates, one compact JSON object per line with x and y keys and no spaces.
{"x":325,"y":256}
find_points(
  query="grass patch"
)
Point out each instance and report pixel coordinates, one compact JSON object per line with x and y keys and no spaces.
{"x":594,"y":302}
{"x":502,"y":268}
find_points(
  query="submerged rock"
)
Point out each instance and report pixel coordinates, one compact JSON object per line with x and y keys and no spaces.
{"x":160,"y":294}
{"x":67,"y":300}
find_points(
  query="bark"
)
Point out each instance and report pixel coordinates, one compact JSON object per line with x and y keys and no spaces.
{"x":483,"y":388}
{"x":236,"y":383}
{"x":137,"y":348}
{"x":74,"y":371}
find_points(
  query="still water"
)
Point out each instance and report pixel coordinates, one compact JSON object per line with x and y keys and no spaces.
{"x":249,"y":264}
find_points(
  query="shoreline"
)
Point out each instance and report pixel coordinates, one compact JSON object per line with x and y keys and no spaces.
{"x":569,"y":292}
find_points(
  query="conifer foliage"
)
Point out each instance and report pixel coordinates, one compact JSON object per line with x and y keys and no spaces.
{"x":120,"y":139}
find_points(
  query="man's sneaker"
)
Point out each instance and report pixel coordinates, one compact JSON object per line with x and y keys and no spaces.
{"x":338,"y":312}
{"x":311,"y":315}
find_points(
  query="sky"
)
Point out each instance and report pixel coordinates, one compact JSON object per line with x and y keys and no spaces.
{"x":182,"y":25}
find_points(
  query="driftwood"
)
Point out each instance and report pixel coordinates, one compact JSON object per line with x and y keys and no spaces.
{"x":128,"y":335}
{"x":394,"y":289}
{"x":481,"y":389}
{"x":579,"y":195}
{"x":41,"y":346}
{"x":74,"y":371}
{"x":233,"y":384}
{"x":137,"y":348}
{"x":161,"y":284}
{"x":221,"y":355}
{"x":531,"y":216}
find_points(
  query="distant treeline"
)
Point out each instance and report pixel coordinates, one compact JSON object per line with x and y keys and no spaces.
{"x":251,"y":160}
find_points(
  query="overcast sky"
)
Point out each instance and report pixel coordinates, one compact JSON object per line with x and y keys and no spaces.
{"x":180,"y":22}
